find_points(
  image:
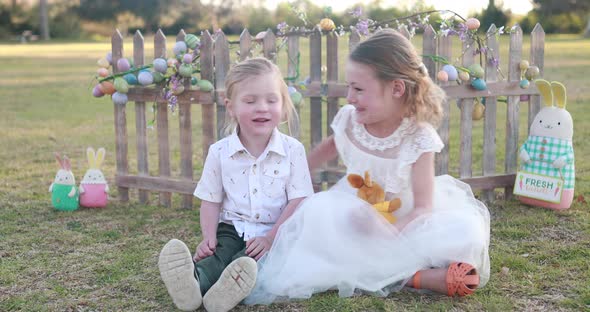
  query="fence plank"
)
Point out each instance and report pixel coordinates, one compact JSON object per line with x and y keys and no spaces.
{"x":186,"y":139}
{"x":221,"y":59}
{"x":512,"y":111}
{"x":489,"y":128}
{"x":120,"y":120}
{"x":315,"y":70}
{"x":429,"y":48}
{"x":269,"y":46}
{"x":293,"y":63}
{"x":165,"y":198}
{"x":537,"y":59}
{"x":403,"y":29}
{"x":332,"y":76}
{"x":354,"y":39}
{"x":140,"y":121}
{"x":442,"y":159}
{"x":245,"y":45}
{"x":465,"y":128}
{"x":207,"y":111}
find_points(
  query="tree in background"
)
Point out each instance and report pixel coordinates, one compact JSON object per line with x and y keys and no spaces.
{"x":44,"y":18}
{"x":558,"y":16}
{"x":492,"y":15}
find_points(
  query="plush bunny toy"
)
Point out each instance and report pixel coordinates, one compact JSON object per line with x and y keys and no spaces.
{"x":548,"y":150}
{"x":64,"y":195}
{"x":94,"y":188}
{"x":374,"y":194}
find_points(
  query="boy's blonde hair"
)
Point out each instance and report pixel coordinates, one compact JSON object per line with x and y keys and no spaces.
{"x":392,"y":56}
{"x":249,"y":69}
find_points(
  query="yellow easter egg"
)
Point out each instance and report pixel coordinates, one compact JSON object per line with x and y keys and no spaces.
{"x":478,"y":110}
{"x":327,"y":24}
{"x":103,"y":62}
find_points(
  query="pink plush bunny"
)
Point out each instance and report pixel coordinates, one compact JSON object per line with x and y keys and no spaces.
{"x":93,"y":187}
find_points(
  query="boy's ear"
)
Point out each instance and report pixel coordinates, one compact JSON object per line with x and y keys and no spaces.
{"x":355,"y":180}
{"x":398,"y":88}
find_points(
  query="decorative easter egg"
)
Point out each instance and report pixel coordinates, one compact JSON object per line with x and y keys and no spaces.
{"x":472,"y":23}
{"x":131,"y":79}
{"x":160,"y":65}
{"x":178,"y":90}
{"x":191,"y":41}
{"x":451,"y":72}
{"x":172,"y":62}
{"x":476,"y":70}
{"x":102,"y":72}
{"x":187,"y":58}
{"x":464,"y":76}
{"x":121,"y":85}
{"x":524,"y":84}
{"x":478,"y":110}
{"x":158,"y":77}
{"x":523,"y":65}
{"x":123,"y":64}
{"x":532,"y":72}
{"x":524,"y":98}
{"x":109,"y":57}
{"x":205,"y":85}
{"x":119,"y":98}
{"x":296,"y":98}
{"x":327,"y":24}
{"x":291,"y":89}
{"x":479,"y":84}
{"x":145,"y":78}
{"x":131,"y":62}
{"x":185,"y":70}
{"x":260,"y":36}
{"x":442,"y":76}
{"x":97,"y":92}
{"x":103,"y":63}
{"x":107,"y":87}
{"x":194,"y":81}
{"x":179,"y":48}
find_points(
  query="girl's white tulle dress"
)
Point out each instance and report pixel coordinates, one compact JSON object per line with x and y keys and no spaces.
{"x":337,"y":241}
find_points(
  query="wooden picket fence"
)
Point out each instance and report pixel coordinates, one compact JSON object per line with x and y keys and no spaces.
{"x":215,"y":63}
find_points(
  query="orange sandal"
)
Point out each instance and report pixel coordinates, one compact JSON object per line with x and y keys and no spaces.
{"x":462,"y":279}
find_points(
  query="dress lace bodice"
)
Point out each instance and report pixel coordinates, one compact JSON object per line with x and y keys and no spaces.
{"x":389,"y":160}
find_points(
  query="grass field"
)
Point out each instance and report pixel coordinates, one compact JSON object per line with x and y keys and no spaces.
{"x":105,"y":259}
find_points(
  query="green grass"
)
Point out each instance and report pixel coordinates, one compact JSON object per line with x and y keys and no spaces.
{"x":105,"y":259}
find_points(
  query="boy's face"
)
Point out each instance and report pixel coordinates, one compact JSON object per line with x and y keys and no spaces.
{"x":257,"y":106}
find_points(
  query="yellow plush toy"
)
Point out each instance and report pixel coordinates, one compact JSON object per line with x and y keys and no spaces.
{"x":373,"y":193}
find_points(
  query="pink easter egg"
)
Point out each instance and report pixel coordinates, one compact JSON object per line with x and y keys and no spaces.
{"x":97,"y":92}
{"x":172,"y":62}
{"x":442,"y":76}
{"x":102,"y":72}
{"x":123,"y":64}
{"x":472,"y":23}
{"x":187,"y":58}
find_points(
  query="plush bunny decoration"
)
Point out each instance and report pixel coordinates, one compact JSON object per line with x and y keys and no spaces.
{"x":373,"y":193}
{"x":94,"y":188}
{"x":64,"y":195}
{"x":549,"y":151}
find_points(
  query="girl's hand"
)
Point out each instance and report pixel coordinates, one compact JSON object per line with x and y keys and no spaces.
{"x":258,"y":246}
{"x":205,"y":249}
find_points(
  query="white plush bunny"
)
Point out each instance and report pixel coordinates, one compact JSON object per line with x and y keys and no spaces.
{"x":94,"y":188}
{"x":64,"y":195}
{"x":549,"y":150}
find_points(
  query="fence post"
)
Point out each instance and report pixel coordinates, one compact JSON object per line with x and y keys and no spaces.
{"x":245,"y":45}
{"x":162,"y":125}
{"x":466,"y":126}
{"x":140,"y":121}
{"x":293,"y":66}
{"x":221,"y":59}
{"x":512,"y":111}
{"x":332,"y":76}
{"x":537,"y":59}
{"x":444,"y":49}
{"x":207,"y":111}
{"x":489,"y":128}
{"x":120,"y":120}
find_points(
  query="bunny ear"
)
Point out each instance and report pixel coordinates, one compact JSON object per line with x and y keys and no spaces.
{"x":99,"y":157}
{"x":355,"y":180}
{"x":559,"y":94}
{"x":545,"y":89}
{"x":368,"y":181}
{"x":59,"y":161}
{"x":66,"y":163}
{"x":91,"y":157}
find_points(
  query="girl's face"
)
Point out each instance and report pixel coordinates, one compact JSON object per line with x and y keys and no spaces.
{"x":257,"y":106}
{"x":377,"y":103}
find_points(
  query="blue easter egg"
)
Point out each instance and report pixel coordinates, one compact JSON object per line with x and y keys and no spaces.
{"x":179,"y":48}
{"x":479,"y":84}
{"x":160,"y":65}
{"x":145,"y":78}
{"x":291,"y":89}
{"x":119,"y":98}
{"x":131,"y":79}
{"x":451,"y":71}
{"x":524,"y":84}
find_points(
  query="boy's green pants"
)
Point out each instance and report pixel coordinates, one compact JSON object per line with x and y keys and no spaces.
{"x":230,"y":246}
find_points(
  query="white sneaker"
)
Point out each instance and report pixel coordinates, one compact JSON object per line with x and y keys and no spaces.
{"x":234,"y":284}
{"x":178,"y":273}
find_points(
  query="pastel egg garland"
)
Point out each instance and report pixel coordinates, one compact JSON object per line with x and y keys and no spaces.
{"x":170,"y":72}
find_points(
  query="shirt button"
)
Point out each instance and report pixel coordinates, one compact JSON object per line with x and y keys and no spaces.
{"x":254,"y":166}
{"x":542,"y":148}
{"x":276,"y":172}
{"x":541,"y":156}
{"x":257,"y":216}
{"x":544,"y":141}
{"x":254,"y":191}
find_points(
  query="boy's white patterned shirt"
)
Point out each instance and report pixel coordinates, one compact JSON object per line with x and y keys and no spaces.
{"x":254,"y":191}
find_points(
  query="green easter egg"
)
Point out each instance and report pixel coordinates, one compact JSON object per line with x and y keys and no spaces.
{"x":121,"y":85}
{"x":476,"y":70}
{"x":186,"y":70}
{"x":531,"y":73}
{"x":191,"y":41}
{"x":205,"y":85}
{"x":158,"y":77}
{"x":194,"y":81}
{"x":296,"y":98}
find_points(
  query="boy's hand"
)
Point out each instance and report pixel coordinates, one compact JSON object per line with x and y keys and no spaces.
{"x":205,"y":249}
{"x":258,"y":246}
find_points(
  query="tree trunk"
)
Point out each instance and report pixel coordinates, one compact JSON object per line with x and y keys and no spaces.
{"x":587,"y":31}
{"x":44,"y":18}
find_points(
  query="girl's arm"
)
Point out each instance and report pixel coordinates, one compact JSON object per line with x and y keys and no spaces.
{"x":324,"y":152}
{"x":423,"y":187}
{"x":209,"y":221}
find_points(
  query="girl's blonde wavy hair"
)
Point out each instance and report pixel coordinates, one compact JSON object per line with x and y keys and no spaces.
{"x":249,"y":69}
{"x":392,"y":56}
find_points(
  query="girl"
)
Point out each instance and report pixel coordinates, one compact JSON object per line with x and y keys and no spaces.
{"x":336,"y":240}
{"x":251,"y":183}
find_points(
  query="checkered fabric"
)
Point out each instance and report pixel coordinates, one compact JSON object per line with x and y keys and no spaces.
{"x":543,"y":151}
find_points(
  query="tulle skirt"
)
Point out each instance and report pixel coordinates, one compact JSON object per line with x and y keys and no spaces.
{"x":336,"y":241}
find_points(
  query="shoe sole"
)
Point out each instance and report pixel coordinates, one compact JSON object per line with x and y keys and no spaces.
{"x":177,"y":271}
{"x":235,"y":284}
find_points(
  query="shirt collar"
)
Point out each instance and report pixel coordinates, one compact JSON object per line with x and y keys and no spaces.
{"x":275,"y":144}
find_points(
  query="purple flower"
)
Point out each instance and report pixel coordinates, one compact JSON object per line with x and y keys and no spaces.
{"x":281,"y":27}
{"x":462,"y":31}
{"x":363,"y":27}
{"x":494,"y":61}
{"x":356,"y":12}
